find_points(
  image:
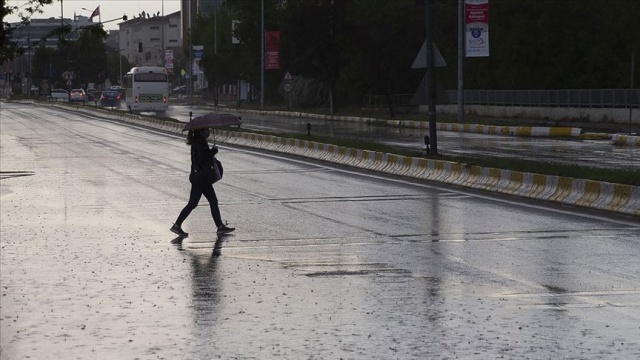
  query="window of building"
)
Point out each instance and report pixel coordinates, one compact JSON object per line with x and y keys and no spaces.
{"x":173,"y":25}
{"x":154,"y":27}
{"x":155,"y":39}
{"x":173,"y":40}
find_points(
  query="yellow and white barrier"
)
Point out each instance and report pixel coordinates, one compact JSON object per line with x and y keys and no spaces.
{"x":625,"y":140}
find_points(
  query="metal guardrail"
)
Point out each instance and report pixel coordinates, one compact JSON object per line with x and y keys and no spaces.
{"x":581,"y":98}
{"x":382,"y":101}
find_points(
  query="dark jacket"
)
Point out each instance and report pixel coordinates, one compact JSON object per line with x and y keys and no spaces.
{"x":201,"y":161}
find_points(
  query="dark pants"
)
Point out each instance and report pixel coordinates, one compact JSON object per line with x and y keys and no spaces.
{"x":196,"y":193}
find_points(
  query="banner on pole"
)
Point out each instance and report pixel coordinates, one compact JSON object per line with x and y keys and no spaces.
{"x":168,"y":59}
{"x":272,"y":46}
{"x":198,"y":51}
{"x":476,"y":28}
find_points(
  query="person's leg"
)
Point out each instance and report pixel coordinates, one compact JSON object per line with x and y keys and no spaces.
{"x":210,"y":194}
{"x":194,"y":198}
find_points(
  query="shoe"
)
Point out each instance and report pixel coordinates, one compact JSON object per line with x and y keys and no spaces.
{"x":224,"y":229}
{"x":178,"y":231}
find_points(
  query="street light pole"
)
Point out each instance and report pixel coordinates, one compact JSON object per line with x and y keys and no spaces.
{"x":163,"y":23}
{"x":461,"y":34}
{"x":431,"y":76}
{"x":120,"y":57}
{"x":190,"y":82}
{"x":633,"y":60}
{"x":262,"y":55}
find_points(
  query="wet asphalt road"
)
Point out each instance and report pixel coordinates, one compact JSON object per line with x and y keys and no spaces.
{"x":325,"y":264}
{"x":590,"y":153}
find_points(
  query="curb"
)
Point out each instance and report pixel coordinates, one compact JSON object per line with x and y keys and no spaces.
{"x":595,"y":136}
{"x":524,"y":131}
{"x":618,"y":198}
{"x":625,"y":140}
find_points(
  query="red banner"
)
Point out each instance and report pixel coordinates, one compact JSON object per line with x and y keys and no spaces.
{"x":477,"y":28}
{"x":272,"y":48}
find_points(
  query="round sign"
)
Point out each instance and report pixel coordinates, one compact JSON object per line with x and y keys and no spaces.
{"x":288,"y":87}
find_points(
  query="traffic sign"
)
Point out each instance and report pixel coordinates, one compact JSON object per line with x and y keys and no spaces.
{"x":288,"y":87}
{"x":287,"y":76}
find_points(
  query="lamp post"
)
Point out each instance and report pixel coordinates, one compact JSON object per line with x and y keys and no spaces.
{"x":262,"y":55}
{"x":120,"y":58}
{"x":431,"y":77}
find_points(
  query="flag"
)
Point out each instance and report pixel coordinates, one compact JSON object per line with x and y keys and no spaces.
{"x":95,"y":13}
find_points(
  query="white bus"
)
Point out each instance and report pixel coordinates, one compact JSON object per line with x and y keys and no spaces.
{"x":147,"y":89}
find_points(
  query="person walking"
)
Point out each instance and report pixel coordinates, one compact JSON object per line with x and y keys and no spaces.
{"x":201,"y":161}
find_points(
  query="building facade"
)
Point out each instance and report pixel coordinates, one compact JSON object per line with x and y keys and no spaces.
{"x":145,"y":39}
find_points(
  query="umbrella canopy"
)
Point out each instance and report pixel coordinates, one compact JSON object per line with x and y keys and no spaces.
{"x":212,"y":120}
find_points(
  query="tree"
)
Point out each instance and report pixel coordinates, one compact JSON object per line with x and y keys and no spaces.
{"x":314,"y":41}
{"x":246,"y":54}
{"x":349,"y":48}
{"x":9,"y":49}
{"x":86,"y":57}
{"x":384,"y":39}
{"x":89,"y":55}
{"x":219,"y":62}
{"x":116,"y":63}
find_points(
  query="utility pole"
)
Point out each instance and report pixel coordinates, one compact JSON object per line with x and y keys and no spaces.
{"x":633,"y":61}
{"x":431,"y":76}
{"x":262,"y":55}
{"x":190,"y":82}
{"x":461,"y":34}
{"x":163,"y":24}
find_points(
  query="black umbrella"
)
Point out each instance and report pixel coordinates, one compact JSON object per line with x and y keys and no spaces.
{"x":212,"y":120}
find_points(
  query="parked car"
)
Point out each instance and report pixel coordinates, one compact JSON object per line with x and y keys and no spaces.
{"x":78,"y":95}
{"x":59,"y":94}
{"x":110,"y":98}
{"x":93,"y":94}
{"x":121,"y":90}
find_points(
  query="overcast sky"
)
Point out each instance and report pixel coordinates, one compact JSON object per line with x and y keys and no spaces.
{"x":109,"y":9}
